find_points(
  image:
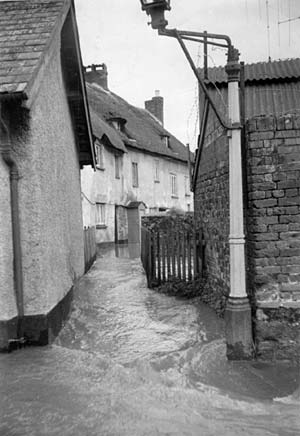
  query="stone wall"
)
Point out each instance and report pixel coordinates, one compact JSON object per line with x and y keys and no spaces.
{"x":273,"y":232}
{"x":212,"y":212}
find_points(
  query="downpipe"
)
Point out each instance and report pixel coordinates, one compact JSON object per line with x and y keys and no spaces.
{"x":6,"y":153}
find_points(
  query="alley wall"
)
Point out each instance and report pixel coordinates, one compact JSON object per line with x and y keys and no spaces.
{"x":272,"y":227}
{"x":50,"y":204}
{"x":273,"y":232}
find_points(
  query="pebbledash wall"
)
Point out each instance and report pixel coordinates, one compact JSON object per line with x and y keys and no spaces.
{"x":272,"y":228}
{"x":50,"y":207}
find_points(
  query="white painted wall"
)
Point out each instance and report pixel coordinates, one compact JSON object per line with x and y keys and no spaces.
{"x":50,"y":203}
{"x":102,"y":186}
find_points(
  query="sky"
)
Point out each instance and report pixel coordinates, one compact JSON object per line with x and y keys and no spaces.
{"x":139,"y":61}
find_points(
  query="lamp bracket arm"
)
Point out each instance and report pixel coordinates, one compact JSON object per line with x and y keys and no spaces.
{"x":187,"y":33}
{"x":174,"y":33}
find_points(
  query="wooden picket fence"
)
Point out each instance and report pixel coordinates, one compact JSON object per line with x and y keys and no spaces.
{"x":172,"y":254}
{"x":90,"y":249}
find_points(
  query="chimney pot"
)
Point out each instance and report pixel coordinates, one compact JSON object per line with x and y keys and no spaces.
{"x":97,"y":73}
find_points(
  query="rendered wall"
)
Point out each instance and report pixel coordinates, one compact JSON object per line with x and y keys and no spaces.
{"x":103,"y":187}
{"x":157,"y":194}
{"x":51,"y":218}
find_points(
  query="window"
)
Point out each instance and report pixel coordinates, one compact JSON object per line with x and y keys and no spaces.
{"x":100,"y":156}
{"x":165,"y":140}
{"x":156,"y":170}
{"x":135,"y":175}
{"x":117,"y":166}
{"x":173,"y":179}
{"x":100,"y":214}
{"x":187,"y":186}
{"x":117,"y":125}
{"x":188,"y":207}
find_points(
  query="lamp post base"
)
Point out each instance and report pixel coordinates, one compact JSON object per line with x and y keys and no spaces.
{"x":238,"y":328}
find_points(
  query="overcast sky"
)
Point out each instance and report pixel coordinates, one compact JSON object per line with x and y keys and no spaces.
{"x":139,"y":61}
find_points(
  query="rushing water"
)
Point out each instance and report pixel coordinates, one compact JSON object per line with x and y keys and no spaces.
{"x":133,"y":362}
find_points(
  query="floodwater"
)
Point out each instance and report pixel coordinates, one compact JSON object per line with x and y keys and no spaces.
{"x":132,"y":362}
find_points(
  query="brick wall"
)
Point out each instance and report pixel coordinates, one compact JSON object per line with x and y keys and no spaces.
{"x":211,"y":206}
{"x":272,"y":227}
{"x":273,"y":232}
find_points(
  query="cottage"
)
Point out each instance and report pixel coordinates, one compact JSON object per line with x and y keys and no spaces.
{"x":271,"y":162}
{"x":45,"y":140}
{"x":138,"y":160}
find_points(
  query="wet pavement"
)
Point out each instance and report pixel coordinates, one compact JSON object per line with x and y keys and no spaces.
{"x":133,"y":362}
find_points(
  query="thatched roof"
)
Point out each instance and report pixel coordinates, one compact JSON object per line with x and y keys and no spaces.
{"x":141,"y":130}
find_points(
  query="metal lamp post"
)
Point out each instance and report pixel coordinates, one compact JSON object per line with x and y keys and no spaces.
{"x":238,"y":312}
{"x":156,"y":9}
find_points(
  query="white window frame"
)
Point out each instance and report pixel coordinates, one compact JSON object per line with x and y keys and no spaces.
{"x":135,"y":174}
{"x":174,"y":187}
{"x":156,"y":170}
{"x":187,"y":186}
{"x":166,"y":140}
{"x":100,"y":218}
{"x":117,"y":166}
{"x":100,"y":156}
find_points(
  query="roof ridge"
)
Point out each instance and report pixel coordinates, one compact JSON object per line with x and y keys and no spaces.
{"x":141,"y":125}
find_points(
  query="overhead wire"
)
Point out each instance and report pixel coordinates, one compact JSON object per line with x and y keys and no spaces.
{"x":195,"y":105}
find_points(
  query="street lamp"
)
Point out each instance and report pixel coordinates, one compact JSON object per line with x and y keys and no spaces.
{"x":156,"y":9}
{"x":238,"y":312}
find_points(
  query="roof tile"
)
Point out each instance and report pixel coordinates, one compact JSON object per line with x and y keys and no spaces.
{"x":25,"y":30}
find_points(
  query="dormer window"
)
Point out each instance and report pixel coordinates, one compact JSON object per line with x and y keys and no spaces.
{"x":165,"y":140}
{"x":117,"y":123}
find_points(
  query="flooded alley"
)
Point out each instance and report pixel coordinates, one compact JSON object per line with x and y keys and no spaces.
{"x":133,"y":362}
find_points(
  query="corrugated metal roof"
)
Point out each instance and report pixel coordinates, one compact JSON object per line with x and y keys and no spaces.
{"x":260,"y":71}
{"x":25,"y":30}
{"x":260,"y":99}
{"x":141,"y":131}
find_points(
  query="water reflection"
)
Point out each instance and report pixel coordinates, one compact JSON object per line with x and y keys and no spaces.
{"x":133,"y":362}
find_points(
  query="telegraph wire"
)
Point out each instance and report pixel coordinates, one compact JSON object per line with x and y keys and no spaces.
{"x":268,"y":30}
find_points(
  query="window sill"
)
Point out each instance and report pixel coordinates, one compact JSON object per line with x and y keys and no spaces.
{"x":100,"y":168}
{"x":174,"y":196}
{"x":135,"y":186}
{"x":118,"y":178}
{"x":187,"y":195}
{"x":101,"y":226}
{"x":156,"y":181}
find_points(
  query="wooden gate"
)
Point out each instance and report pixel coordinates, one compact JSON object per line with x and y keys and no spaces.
{"x":172,"y":254}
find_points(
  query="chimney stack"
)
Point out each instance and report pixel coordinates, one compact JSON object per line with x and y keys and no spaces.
{"x":156,"y":107}
{"x":96,"y":73}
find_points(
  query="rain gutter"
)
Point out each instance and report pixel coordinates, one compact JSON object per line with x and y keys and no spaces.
{"x":7,"y":156}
